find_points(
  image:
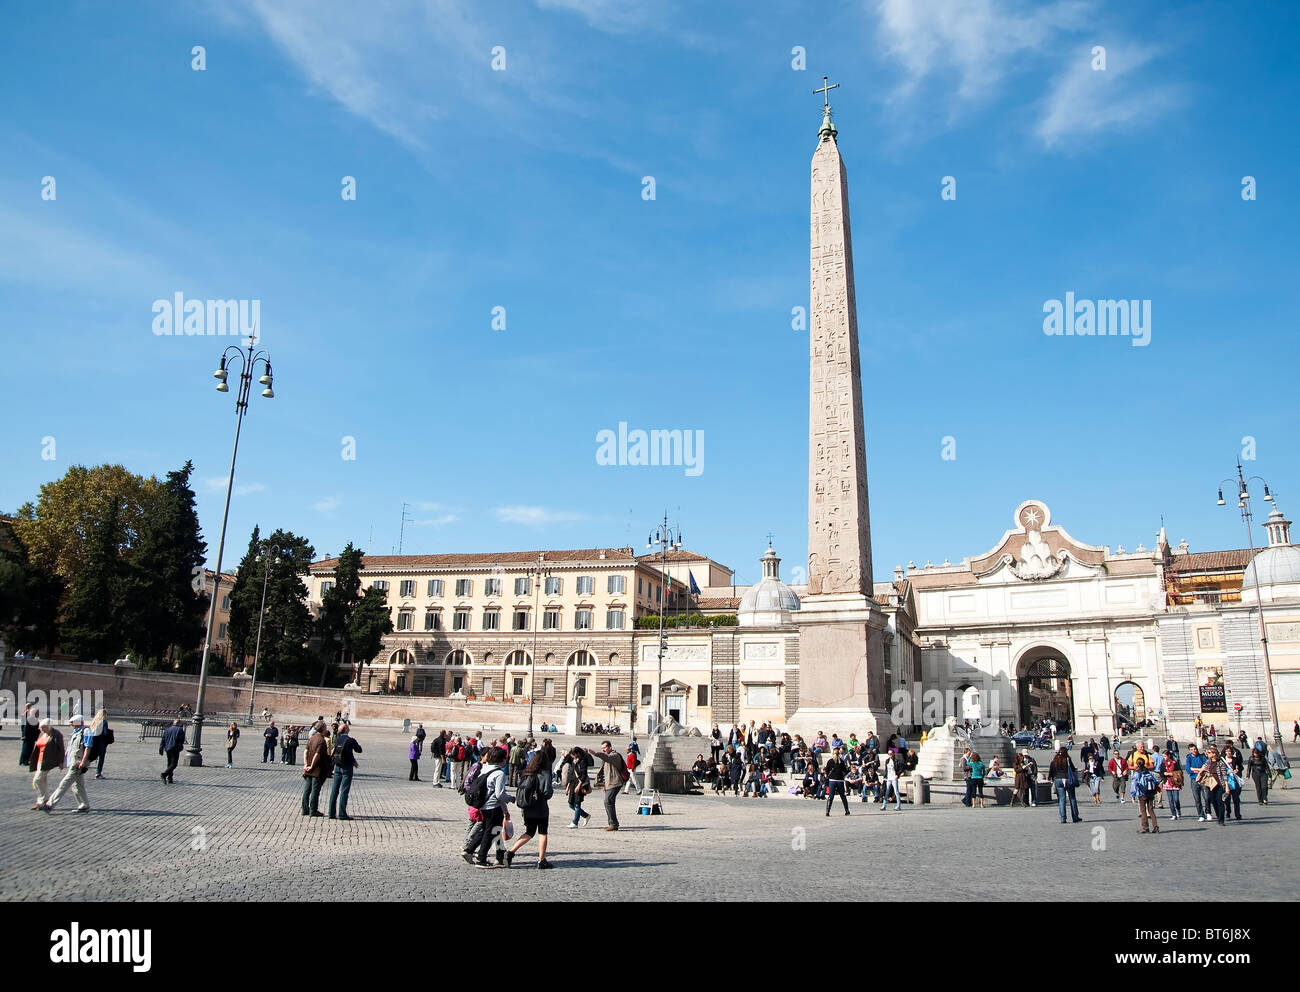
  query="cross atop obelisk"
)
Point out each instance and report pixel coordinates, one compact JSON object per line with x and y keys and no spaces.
{"x":827,"y":128}
{"x":825,"y":90}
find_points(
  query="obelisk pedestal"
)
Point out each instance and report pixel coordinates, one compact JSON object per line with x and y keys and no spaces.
{"x":841,"y":643}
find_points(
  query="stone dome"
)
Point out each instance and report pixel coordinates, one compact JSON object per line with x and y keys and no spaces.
{"x":1274,"y":567}
{"x":1275,"y":572}
{"x":771,"y":601}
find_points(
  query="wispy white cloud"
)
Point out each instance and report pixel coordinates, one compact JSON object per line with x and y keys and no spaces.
{"x":971,"y":48}
{"x":327,"y":505}
{"x":1084,"y":100}
{"x":446,"y":518}
{"x":535,"y":516}
{"x":218,"y":484}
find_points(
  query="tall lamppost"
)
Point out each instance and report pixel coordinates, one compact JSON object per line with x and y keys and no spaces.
{"x":539,"y":574}
{"x":247,"y":359}
{"x":265,"y":558}
{"x":1243,"y":504}
{"x":666,"y":538}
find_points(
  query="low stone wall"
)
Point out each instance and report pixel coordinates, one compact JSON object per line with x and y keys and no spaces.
{"x":129,"y":691}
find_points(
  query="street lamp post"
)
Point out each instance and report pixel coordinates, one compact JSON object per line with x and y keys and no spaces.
{"x":248,"y":359}
{"x":539,"y":575}
{"x":257,"y":650}
{"x":666,"y":538}
{"x":1243,"y":504}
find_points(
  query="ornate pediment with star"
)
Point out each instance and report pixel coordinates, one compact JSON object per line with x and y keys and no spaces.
{"x":1035,"y":549}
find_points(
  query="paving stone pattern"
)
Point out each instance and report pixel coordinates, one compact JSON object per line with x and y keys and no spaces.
{"x":237,"y":834}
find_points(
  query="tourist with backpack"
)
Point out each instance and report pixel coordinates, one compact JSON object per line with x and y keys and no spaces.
{"x":614,"y":775}
{"x":1173,"y":785}
{"x":1144,"y":788}
{"x":343,"y":757}
{"x":535,"y":790}
{"x":632,"y":761}
{"x":486,"y":792}
{"x":461,"y":754}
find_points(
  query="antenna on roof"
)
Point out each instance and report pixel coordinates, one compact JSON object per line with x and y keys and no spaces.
{"x":401,"y":534}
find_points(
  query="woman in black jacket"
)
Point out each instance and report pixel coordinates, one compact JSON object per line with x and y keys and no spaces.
{"x":1232,"y":797}
{"x":1257,"y":768}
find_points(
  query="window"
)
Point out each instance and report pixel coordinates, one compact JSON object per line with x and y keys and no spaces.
{"x":517,"y":658}
{"x":586,"y":584}
{"x":613,"y":688}
{"x":464,"y":587}
{"x":616,"y":584}
{"x":701,"y":695}
{"x":407,"y":587}
{"x":435,"y":587}
{"x":380,"y":584}
{"x":433,"y":620}
{"x":659,"y":593}
{"x":459,"y":657}
{"x":221,"y":632}
{"x":461,"y":620}
{"x":491,"y":619}
{"x":517,"y":686}
{"x":554,"y":585}
{"x":763,"y":696}
{"x":582,"y":619}
{"x":645,"y":694}
{"x":580,"y":687}
{"x":519,"y":620}
{"x":614,"y":620}
{"x":326,"y":587}
{"x":491,"y":587}
{"x":523,"y":585}
{"x":487,"y":687}
{"x":405,"y":619}
{"x":225,"y":602}
{"x":551,"y":620}
{"x":638,"y":585}
{"x":582,"y":658}
{"x":548,"y":687}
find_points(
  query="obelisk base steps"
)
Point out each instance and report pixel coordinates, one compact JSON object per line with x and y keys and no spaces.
{"x":841,"y":667}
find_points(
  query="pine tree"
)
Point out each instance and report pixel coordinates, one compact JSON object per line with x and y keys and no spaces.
{"x":29,"y":597}
{"x":287,"y":622}
{"x":169,"y":551}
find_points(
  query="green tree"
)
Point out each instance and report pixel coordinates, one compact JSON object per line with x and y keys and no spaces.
{"x":94,"y":626}
{"x":351,"y":627}
{"x":164,"y":613}
{"x":29,"y":597}
{"x":287,"y":622}
{"x":58,"y":528}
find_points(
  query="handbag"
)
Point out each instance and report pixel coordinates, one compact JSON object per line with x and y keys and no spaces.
{"x":109,"y":738}
{"x":1286,"y":773}
{"x":1071,"y":777}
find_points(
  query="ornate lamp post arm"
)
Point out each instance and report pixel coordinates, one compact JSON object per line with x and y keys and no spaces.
{"x":247,"y":366}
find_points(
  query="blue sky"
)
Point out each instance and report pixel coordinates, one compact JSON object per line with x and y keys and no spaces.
{"x":523,"y":188}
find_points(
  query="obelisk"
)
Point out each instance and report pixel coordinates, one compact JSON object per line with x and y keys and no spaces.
{"x":841,"y":648}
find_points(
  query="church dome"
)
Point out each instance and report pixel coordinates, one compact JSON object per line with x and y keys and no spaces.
{"x":1275,"y":572}
{"x":771,"y":601}
{"x":1273,"y":567}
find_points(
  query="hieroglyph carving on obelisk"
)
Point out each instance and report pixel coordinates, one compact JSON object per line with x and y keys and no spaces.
{"x":839,"y":528}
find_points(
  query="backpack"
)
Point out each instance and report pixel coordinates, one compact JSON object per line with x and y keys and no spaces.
{"x":623,"y":774}
{"x":462,"y":752}
{"x":476,"y":788}
{"x":339,"y":755}
{"x":529,"y":792}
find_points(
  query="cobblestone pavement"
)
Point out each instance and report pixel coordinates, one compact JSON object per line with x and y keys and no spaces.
{"x":238,"y":834}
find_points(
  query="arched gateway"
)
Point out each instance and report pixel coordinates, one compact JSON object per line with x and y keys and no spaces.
{"x":1045,"y":689}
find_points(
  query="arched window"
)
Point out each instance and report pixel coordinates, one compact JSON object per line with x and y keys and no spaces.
{"x":401,"y":657}
{"x":517,"y":658}
{"x":459,"y":657}
{"x":582,"y":658}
